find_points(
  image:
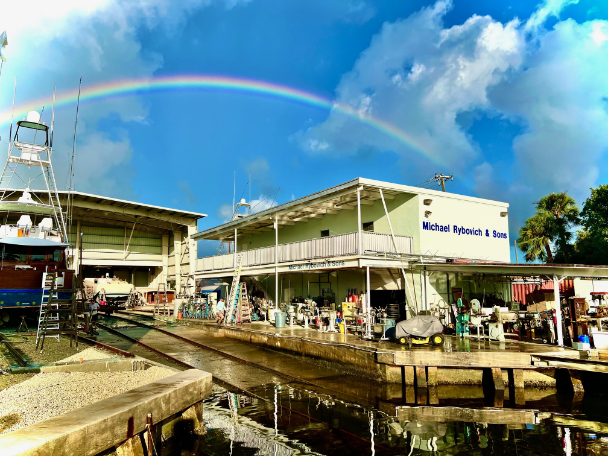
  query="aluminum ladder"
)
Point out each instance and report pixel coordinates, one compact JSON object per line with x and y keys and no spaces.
{"x":59,"y":314}
{"x":48,"y":287}
{"x":244,"y":309}
{"x":161,"y":301}
{"x":233,"y":299}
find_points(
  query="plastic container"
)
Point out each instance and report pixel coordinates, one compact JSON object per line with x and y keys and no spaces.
{"x":600,"y":340}
{"x":583,"y":339}
{"x":279,"y":319}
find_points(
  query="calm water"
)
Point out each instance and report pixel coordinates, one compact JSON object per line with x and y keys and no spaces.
{"x":291,"y":420}
{"x":285,"y":418}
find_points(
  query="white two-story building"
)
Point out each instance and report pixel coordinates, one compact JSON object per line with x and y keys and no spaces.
{"x":363,"y":235}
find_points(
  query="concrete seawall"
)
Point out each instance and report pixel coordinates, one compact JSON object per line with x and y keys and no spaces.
{"x":110,"y":423}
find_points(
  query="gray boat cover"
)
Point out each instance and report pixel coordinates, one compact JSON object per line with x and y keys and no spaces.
{"x":421,"y":326}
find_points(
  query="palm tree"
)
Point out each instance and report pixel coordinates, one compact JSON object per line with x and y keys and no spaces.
{"x":535,"y":238}
{"x":563,"y":215}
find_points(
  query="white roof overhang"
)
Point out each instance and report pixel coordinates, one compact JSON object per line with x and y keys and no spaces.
{"x":329,"y":201}
{"x":519,"y":270}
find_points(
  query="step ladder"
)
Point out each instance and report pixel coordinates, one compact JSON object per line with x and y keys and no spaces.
{"x":233,"y":298}
{"x":58,"y":315}
{"x":48,"y":284}
{"x":161,"y":301}
{"x":244,"y":309}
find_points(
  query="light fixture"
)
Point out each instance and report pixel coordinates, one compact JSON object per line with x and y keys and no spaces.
{"x":427,"y":213}
{"x":503,"y":214}
{"x":427,"y":202}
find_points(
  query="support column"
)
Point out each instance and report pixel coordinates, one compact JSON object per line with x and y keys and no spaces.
{"x":558,"y":312}
{"x":235,"y":240}
{"x":177,"y":259}
{"x":276,"y":262}
{"x":165,"y":250}
{"x":359,"y":231}
{"x":426,"y":290}
{"x":368,"y":301}
{"x":192,"y":254}
{"x":77,"y":247}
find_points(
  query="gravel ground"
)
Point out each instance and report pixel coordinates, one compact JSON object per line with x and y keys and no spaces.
{"x":89,"y":354}
{"x":47,"y":395}
{"x":53,"y":351}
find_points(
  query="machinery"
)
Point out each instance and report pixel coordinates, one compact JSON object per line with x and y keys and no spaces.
{"x":420,"y":330}
{"x":462,"y":319}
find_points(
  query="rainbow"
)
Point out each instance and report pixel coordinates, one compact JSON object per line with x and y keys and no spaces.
{"x":126,"y":87}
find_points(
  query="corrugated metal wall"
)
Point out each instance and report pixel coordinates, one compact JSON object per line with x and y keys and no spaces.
{"x":523,"y":291}
{"x":100,"y":242}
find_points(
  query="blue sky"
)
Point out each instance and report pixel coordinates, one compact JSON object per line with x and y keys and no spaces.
{"x":508,"y":95}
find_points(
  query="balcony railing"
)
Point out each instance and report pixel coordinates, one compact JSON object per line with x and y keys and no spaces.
{"x":326,"y":247}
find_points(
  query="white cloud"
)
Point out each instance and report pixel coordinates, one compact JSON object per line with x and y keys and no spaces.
{"x":225,"y":212}
{"x":549,"y":8}
{"x":315,"y":145}
{"x":55,"y":43}
{"x":420,"y":76}
{"x":262,"y":203}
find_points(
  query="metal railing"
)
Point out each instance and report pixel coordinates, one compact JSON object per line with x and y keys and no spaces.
{"x":326,"y":247}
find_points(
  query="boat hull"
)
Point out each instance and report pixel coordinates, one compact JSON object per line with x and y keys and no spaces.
{"x":23,"y":288}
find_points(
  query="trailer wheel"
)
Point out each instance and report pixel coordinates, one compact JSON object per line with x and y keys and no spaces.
{"x":402,"y":340}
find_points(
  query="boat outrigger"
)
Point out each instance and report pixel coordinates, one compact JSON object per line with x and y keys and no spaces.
{"x":33,"y":234}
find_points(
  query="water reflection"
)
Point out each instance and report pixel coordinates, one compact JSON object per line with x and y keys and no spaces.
{"x":291,"y":420}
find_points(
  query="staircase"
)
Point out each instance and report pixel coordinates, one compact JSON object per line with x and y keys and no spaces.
{"x":58,"y":315}
{"x":233,"y":298}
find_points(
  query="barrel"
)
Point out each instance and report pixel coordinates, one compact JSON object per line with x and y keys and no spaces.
{"x":279,"y":319}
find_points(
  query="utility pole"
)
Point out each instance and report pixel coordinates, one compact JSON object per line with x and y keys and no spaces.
{"x":442,"y":178}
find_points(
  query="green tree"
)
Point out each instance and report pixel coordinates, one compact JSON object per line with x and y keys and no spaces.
{"x":591,"y":245}
{"x":594,"y":216}
{"x":562,"y":214}
{"x":535,"y":238}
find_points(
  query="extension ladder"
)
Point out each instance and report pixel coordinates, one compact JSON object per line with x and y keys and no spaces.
{"x":234,"y":289}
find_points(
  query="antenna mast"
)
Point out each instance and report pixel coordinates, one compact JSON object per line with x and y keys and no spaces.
{"x":441,"y":178}
{"x":70,"y":188}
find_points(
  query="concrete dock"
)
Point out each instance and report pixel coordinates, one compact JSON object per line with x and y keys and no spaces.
{"x":458,"y":361}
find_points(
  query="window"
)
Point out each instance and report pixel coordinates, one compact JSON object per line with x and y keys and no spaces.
{"x":368,"y":226}
{"x":37,"y":254}
{"x":57,"y":255}
{"x":325,"y":233}
{"x":13,"y":253}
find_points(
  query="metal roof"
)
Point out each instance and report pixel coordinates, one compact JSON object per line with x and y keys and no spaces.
{"x":120,"y":203}
{"x":519,"y":270}
{"x":124,"y":203}
{"x":329,"y":201}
